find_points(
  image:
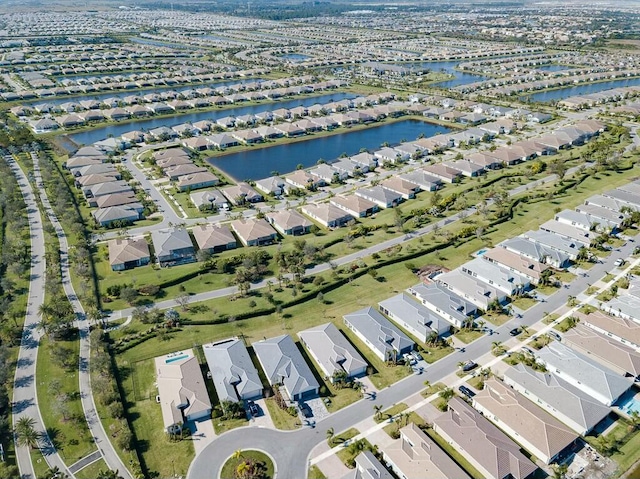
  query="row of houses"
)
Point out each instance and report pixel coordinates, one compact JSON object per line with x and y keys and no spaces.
{"x":177,"y":165}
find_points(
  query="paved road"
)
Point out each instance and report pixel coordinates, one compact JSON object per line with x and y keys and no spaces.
{"x":100,"y":436}
{"x":291,"y":450}
{"x":25,"y":398}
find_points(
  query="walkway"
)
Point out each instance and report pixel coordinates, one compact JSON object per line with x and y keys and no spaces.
{"x":100,"y":436}
{"x":25,"y":396}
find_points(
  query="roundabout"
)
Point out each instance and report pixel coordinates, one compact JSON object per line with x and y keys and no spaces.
{"x":248,"y":463}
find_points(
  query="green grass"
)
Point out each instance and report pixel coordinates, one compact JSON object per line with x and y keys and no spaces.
{"x":497,"y":319}
{"x":281,"y":418}
{"x":565,"y":276}
{"x":68,"y":431}
{"x":221,"y":426}
{"x":315,"y":473}
{"x":229,"y":468}
{"x":468,"y":335}
{"x":454,"y":454}
{"x":547,"y":290}
{"x":389,"y":413}
{"x":433,"y":389}
{"x":92,"y":470}
{"x":396,"y":425}
{"x":433,"y":354}
{"x":348,"y":454}
{"x":524,"y":303}
{"x":343,"y":437}
{"x":477,"y":382}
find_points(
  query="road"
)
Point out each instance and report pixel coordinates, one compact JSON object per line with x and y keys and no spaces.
{"x":25,"y":397}
{"x":291,"y":450}
{"x":100,"y":436}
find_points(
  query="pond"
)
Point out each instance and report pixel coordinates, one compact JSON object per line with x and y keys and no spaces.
{"x":294,"y":57}
{"x":562,"y":93}
{"x":260,"y":163}
{"x":117,"y":129}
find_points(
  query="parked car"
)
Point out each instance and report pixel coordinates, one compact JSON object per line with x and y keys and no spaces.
{"x":619,"y":262}
{"x":469,"y":365}
{"x":253,"y":409}
{"x":466,"y":391}
{"x":515,"y":331}
{"x":554,"y":335}
{"x":416,"y":355}
{"x":305,"y":409}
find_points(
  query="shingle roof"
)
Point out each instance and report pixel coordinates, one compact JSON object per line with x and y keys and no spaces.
{"x":381,"y":333}
{"x":166,"y":241}
{"x":211,"y":236}
{"x":125,"y":250}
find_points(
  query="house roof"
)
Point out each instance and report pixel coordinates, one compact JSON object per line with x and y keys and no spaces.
{"x":109,"y":188}
{"x":352,"y":203}
{"x":288,"y":219}
{"x":522,"y":264}
{"x":534,"y":250}
{"x":211,"y":236}
{"x":416,"y":315}
{"x":208,"y":197}
{"x":379,"y":331}
{"x":167,"y":241}
{"x":417,"y":455}
{"x":116,"y":199}
{"x":331,"y":349}
{"x":242,"y":189}
{"x":500,"y":276}
{"x":124,"y":250}
{"x":115,"y":213}
{"x":623,"y":328}
{"x":568,"y":231}
{"x":484,"y":442}
{"x":202,"y":177}
{"x":233,"y":373}
{"x":252,"y":229}
{"x":422,"y":179}
{"x":533,"y":424}
{"x":478,"y":292}
{"x":593,"y":376}
{"x":283,"y":363}
{"x":378,"y":193}
{"x":326,"y":212}
{"x":180,"y":382}
{"x":444,"y":300}
{"x":270,"y":184}
{"x":368,"y":467}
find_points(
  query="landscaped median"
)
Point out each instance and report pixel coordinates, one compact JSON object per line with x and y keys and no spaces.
{"x":248,"y":463}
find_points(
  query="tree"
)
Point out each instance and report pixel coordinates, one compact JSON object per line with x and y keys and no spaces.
{"x":330,"y":434}
{"x":26,"y":433}
{"x":446,"y":394}
{"x":129,"y":294}
{"x":182,"y":300}
{"x":109,"y":475}
{"x":378,"y":411}
{"x":560,"y":471}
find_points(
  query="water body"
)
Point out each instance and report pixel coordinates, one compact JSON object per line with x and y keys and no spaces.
{"x":157,"y":43}
{"x":123,"y":93}
{"x":101,"y":75}
{"x":295,"y":57}
{"x":259,"y":163}
{"x":461,"y":78}
{"x":551,"y":68}
{"x":88,"y":137}
{"x":562,"y":93}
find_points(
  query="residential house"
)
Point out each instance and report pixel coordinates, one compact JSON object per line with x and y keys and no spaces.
{"x":355,"y":205}
{"x":413,"y":316}
{"x":273,"y":185}
{"x":421,"y":178}
{"x":625,"y":331}
{"x":368,"y":467}
{"x":128,"y":253}
{"x":181,"y":389}
{"x":597,"y":380}
{"x":383,"y":197}
{"x":327,"y":214}
{"x":612,"y":219}
{"x":444,"y":302}
{"x":535,"y":429}
{"x":383,"y":338}
{"x":333,"y":353}
{"x":289,"y":222}
{"x":110,"y":188}
{"x":175,"y":172}
{"x":284,"y":365}
{"x":466,"y":167}
{"x":203,"y":179}
{"x":124,"y":214}
{"x":536,"y":252}
{"x":442,"y":172}
{"x":404,"y":188}
{"x":254,"y":231}
{"x":212,"y":199}
{"x":531,"y":269}
{"x":569,"y":232}
{"x":304,"y":180}
{"x":173,"y":247}
{"x":507,"y":281}
{"x":241,"y":194}
{"x":116,"y":199}
{"x":234,"y":375}
{"x":487,"y":448}
{"x":472,"y":289}
{"x":214,"y":238}
{"x":554,"y":242}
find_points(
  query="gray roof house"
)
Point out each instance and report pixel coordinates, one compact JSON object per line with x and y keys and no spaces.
{"x":283,"y":364}
{"x":631,"y":199}
{"x":332,"y":351}
{"x":368,"y":467}
{"x":128,"y":253}
{"x":569,"y":232}
{"x":214,"y":238}
{"x":413,"y":316}
{"x":535,"y":251}
{"x":508,"y":282}
{"x":173,"y":247}
{"x":593,"y":378}
{"x":234,"y":375}
{"x":112,"y":214}
{"x":242,"y":193}
{"x":608,"y":217}
{"x":327,"y":214}
{"x":109,"y":188}
{"x":424,"y":180}
{"x":444,"y":302}
{"x":209,"y":198}
{"x":555,"y":242}
{"x":571,"y":405}
{"x":472,"y":289}
{"x":378,"y":333}
{"x":383,"y":197}
{"x":583,"y":220}
{"x":487,"y":448}
{"x":271,"y":185}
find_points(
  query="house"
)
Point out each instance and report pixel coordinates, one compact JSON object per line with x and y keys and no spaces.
{"x":531,"y":269}
{"x":416,"y":455}
{"x":625,"y":305}
{"x":368,"y":467}
{"x":128,"y":253}
{"x":472,"y":289}
{"x":211,"y":199}
{"x":466,"y":167}
{"x":110,"y":188}
{"x":89,"y":180}
{"x":444,"y":302}
{"x":194,"y":181}
{"x":535,"y":429}
{"x":124,"y":214}
{"x":289,"y":222}
{"x":173,"y":247}
{"x":421,"y":178}
{"x":355,"y":205}
{"x":222,"y":140}
{"x":486,"y":160}
{"x":609,"y":218}
{"x":391,"y":155}
{"x":273,"y":185}
{"x":383,"y":197}
{"x":327,"y":214}
{"x":383,"y":338}
{"x":536,"y":252}
{"x":304,"y":180}
{"x":365,"y":160}
{"x":619,"y":357}
{"x":414,"y":317}
{"x":569,"y":404}
{"x":175,"y":172}
{"x":554,"y":242}
{"x":254,"y":232}
{"x":283,"y":364}
{"x":332,"y":351}
{"x":116,"y":199}
{"x":182,"y":390}
{"x":327,"y":173}
{"x":600,"y":382}
{"x":569,"y":232}
{"x":442,"y":172}
{"x":505,"y":280}
{"x":214,"y":238}
{"x":623,"y":330}
{"x":630,"y":199}
{"x":242,"y":193}
{"x":234,"y":375}
{"x":404,"y":188}
{"x":487,"y":448}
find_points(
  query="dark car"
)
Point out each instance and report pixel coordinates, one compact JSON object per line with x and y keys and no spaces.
{"x":305,"y":410}
{"x":253,"y":409}
{"x":466,"y":391}
{"x":515,"y":331}
{"x":468,"y":366}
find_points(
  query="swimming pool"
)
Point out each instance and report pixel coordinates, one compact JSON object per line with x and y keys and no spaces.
{"x":480,"y":252}
{"x":630,"y":405}
{"x":176,"y":358}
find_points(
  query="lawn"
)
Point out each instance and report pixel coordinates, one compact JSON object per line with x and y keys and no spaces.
{"x":343,"y":437}
{"x":547,"y":290}
{"x":497,"y":319}
{"x":477,"y":382}
{"x":40,"y":466}
{"x":433,"y":389}
{"x":348,"y":454}
{"x":389,"y":413}
{"x":221,"y":426}
{"x":315,"y":473}
{"x":92,"y":470}
{"x":281,"y":418}
{"x":468,"y":335}
{"x":433,"y":354}
{"x":63,"y":418}
{"x":565,"y":276}
{"x":229,"y":468}
{"x":398,"y":424}
{"x":524,"y":303}
{"x":454,"y":454}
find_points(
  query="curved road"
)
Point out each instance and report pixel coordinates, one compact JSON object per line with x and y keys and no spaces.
{"x":100,"y":436}
{"x":291,"y":450}
{"x":25,"y":397}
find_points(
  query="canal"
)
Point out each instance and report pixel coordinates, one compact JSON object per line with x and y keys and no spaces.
{"x":562,"y":93}
{"x":261,"y":163}
{"x":115,"y":130}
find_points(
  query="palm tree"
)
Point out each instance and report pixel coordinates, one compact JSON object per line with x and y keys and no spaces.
{"x":237,"y":454}
{"x":26,"y":433}
{"x":378,"y":411}
{"x":109,"y":474}
{"x":330,"y":434}
{"x":446,"y":394}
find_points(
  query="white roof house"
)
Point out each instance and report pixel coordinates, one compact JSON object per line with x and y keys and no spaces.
{"x":412,"y":315}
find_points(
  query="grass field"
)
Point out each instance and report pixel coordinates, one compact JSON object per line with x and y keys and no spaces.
{"x":92,"y":470}
{"x":281,"y":418}
{"x":343,"y":437}
{"x":229,"y":468}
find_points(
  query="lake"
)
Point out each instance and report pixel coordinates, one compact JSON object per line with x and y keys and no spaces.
{"x":294,"y":57}
{"x":88,"y":137}
{"x":577,"y":90}
{"x":260,"y":163}
{"x":461,"y":78}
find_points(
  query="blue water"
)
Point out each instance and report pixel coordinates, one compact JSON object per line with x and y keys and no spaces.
{"x":554,"y":95}
{"x":123,"y":93}
{"x":551,"y":68}
{"x":481,"y":252}
{"x":157,"y":43}
{"x":630,"y":405}
{"x":88,"y":137}
{"x":260,"y":163}
{"x":177,"y":358}
{"x":460,"y":79}
{"x":295,"y":57}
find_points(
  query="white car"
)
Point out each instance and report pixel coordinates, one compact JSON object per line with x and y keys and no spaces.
{"x":619,"y":262}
